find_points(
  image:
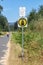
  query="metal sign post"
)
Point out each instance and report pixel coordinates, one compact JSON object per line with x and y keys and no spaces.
{"x":22,"y":43}
{"x":22,"y":22}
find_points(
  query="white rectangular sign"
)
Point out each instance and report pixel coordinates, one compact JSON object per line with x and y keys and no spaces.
{"x":22,"y":11}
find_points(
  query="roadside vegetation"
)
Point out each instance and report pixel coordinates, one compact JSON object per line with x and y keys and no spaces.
{"x":4,"y":26}
{"x":33,"y":41}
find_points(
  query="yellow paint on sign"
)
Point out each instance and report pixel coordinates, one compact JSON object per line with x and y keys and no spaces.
{"x":22,"y":22}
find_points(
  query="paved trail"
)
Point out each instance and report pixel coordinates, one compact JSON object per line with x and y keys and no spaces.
{"x":3,"y":47}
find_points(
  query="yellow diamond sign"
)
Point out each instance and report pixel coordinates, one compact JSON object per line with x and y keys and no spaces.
{"x":22,"y":22}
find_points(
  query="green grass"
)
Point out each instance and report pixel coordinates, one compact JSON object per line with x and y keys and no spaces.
{"x":16,"y":37}
{"x":33,"y":44}
{"x":1,"y":33}
{"x":32,"y":40}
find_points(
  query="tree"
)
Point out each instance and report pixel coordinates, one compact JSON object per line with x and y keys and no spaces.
{"x":3,"y":23}
{"x":32,"y":16}
{"x":41,"y":10}
{"x":1,"y":9}
{"x":1,"y":0}
{"x":15,"y":25}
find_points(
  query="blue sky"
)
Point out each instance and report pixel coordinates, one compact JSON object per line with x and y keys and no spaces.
{"x":11,"y":7}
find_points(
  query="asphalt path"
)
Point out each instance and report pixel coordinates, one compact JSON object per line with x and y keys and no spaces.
{"x":3,"y":45}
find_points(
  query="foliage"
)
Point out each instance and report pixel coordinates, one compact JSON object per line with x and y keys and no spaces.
{"x":15,"y":25}
{"x":3,"y":23}
{"x":1,"y":9}
{"x":11,"y":27}
{"x":34,"y":15}
{"x":28,"y":37}
{"x":41,"y":10}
